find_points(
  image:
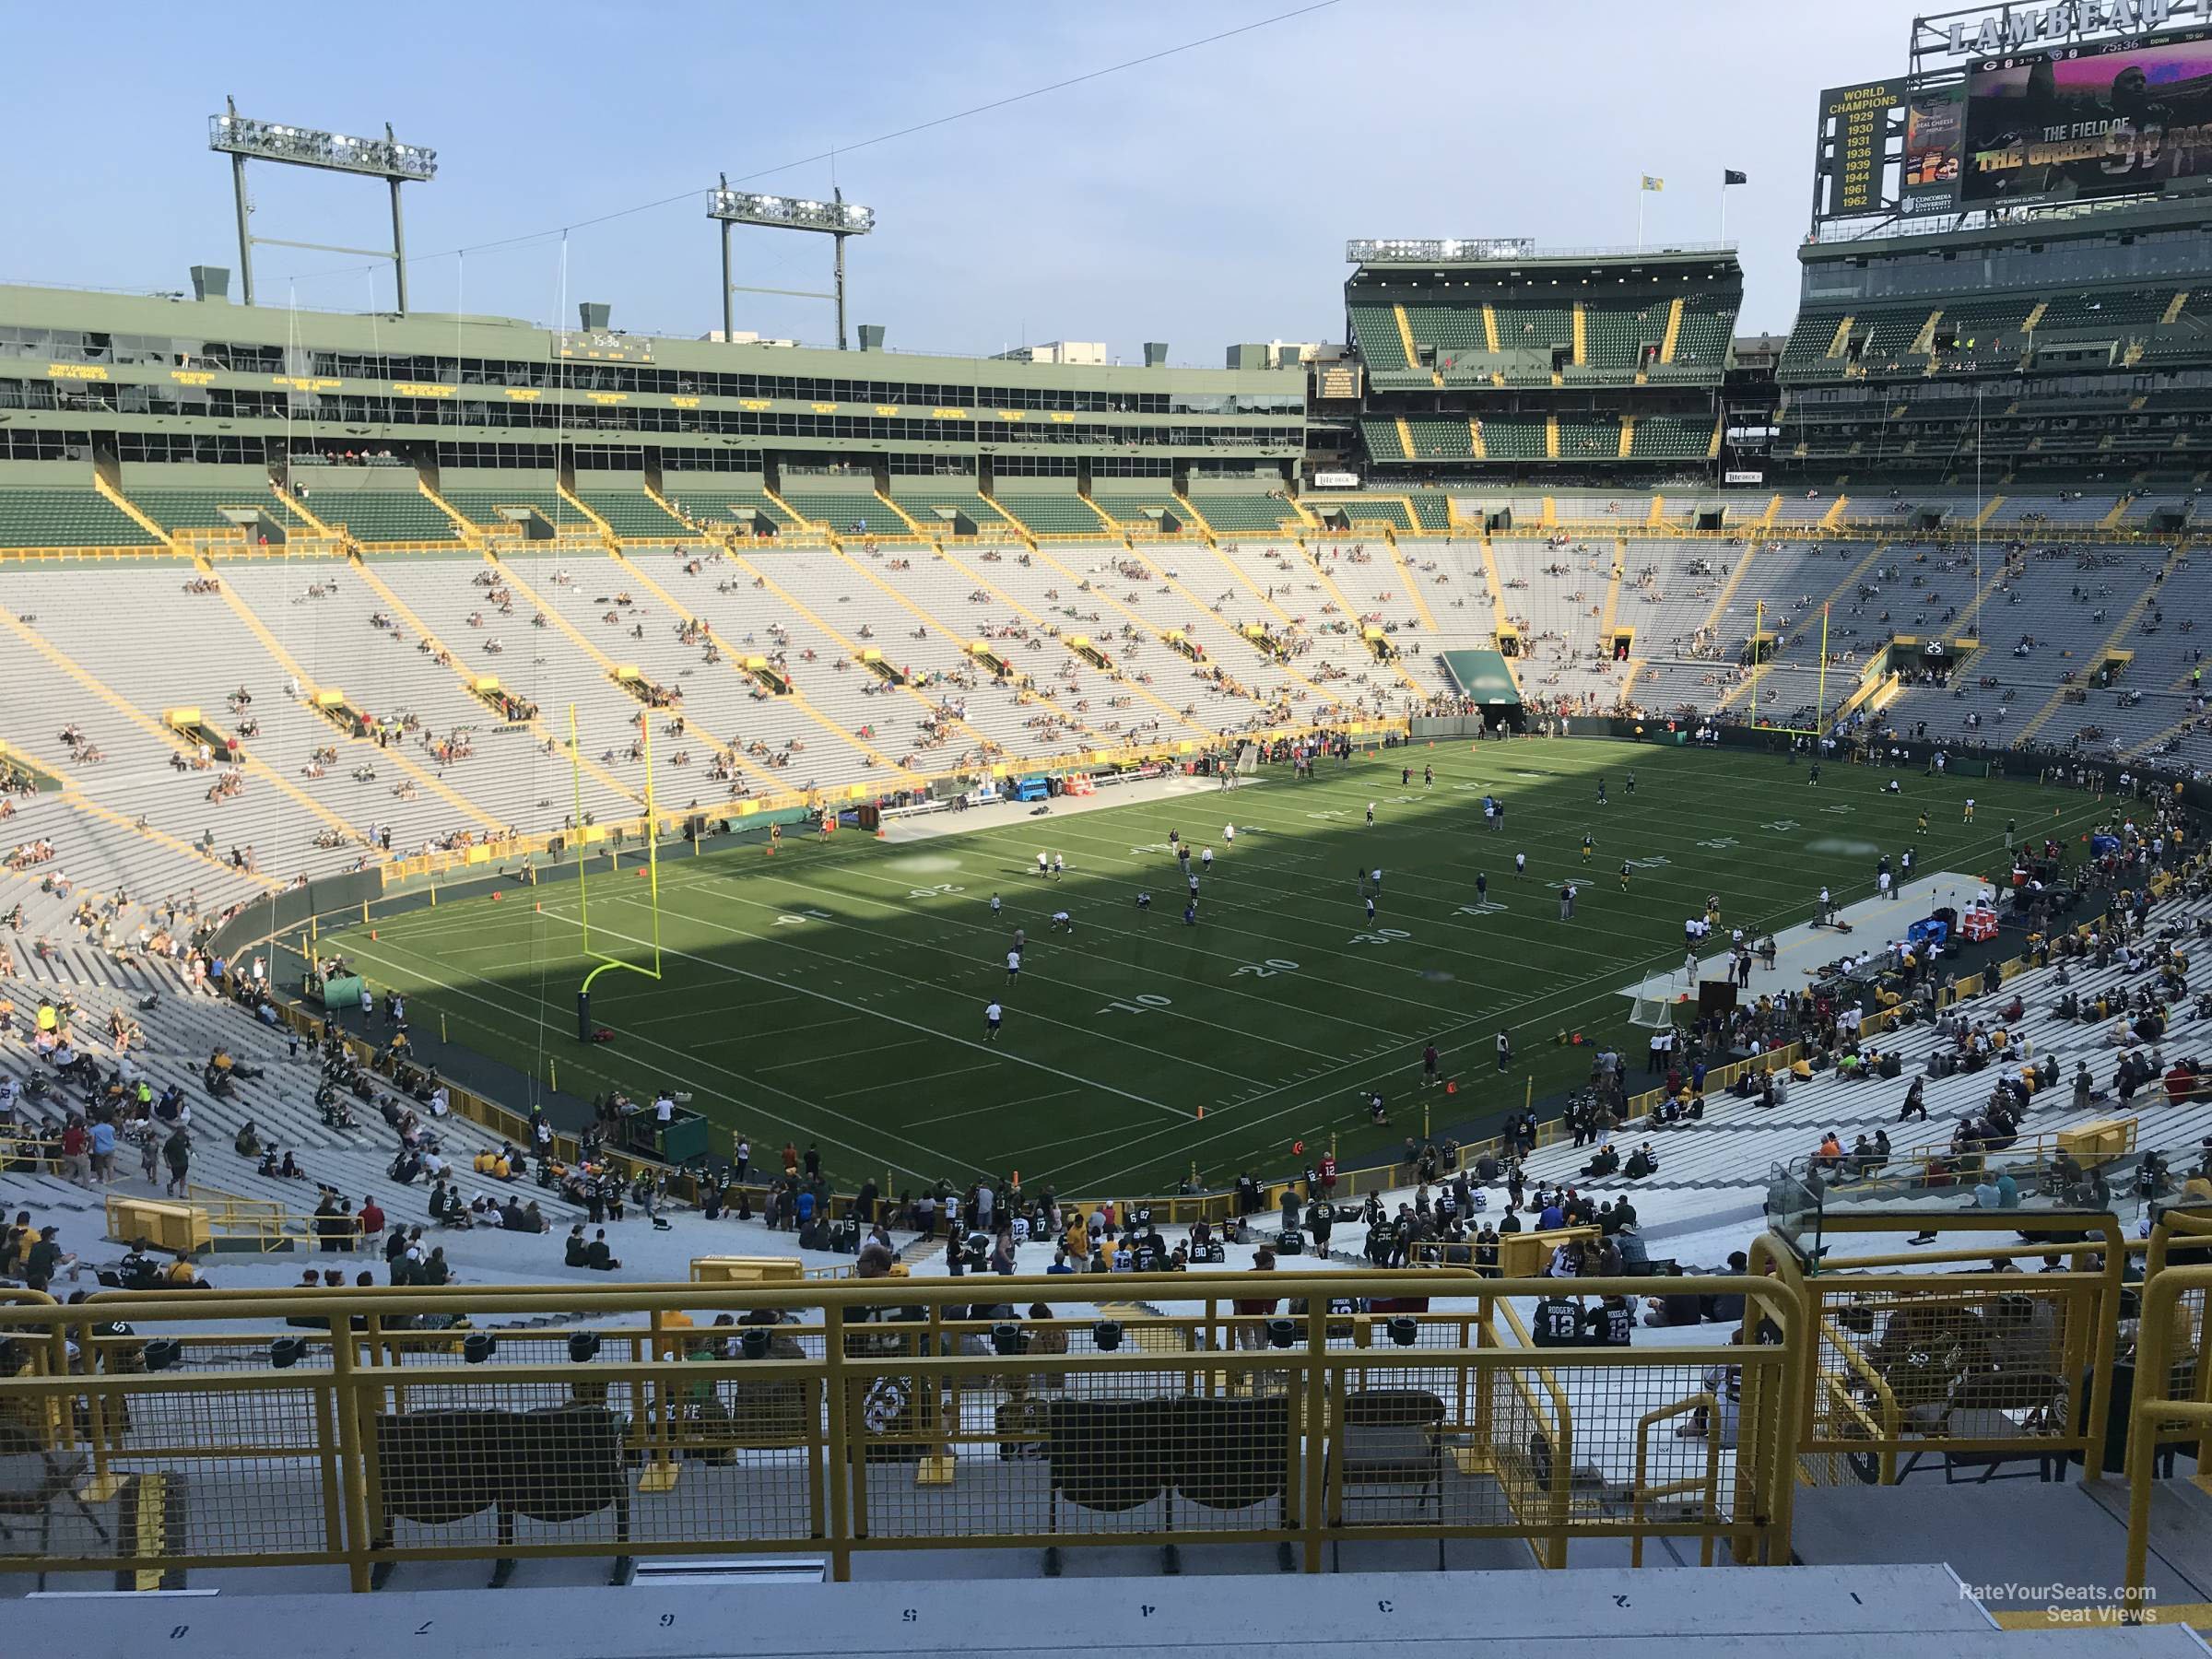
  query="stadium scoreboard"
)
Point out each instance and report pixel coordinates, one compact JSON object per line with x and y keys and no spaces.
{"x":2024,"y":105}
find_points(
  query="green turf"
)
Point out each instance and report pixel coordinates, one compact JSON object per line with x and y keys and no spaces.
{"x":836,"y":992}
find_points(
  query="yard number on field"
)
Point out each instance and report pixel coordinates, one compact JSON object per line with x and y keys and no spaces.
{"x":803,"y":916}
{"x":1142,"y":1003}
{"x":935,"y":892}
{"x":1268,"y":969}
{"x":1381,"y":935}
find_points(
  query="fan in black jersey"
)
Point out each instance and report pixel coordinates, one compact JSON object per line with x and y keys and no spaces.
{"x":1612,"y":1324}
{"x":1557,"y":1323}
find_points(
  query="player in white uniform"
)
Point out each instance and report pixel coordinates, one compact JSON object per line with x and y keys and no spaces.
{"x":1043,"y":864}
{"x":1520,"y":864}
{"x":995,"y":904}
{"x":1206,"y":858}
{"x":1059,"y":866}
{"x":992,"y":1014}
{"x":1060,"y":919}
{"x":1013,"y":966}
{"x":1228,"y":834}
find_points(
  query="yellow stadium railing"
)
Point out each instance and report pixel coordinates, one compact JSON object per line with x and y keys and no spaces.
{"x":2172,"y":1401}
{"x":1957,"y":1355}
{"x":367,"y":1428}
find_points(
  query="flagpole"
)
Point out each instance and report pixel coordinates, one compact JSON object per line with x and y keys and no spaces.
{"x":1723,"y":207}
{"x":1640,"y":194}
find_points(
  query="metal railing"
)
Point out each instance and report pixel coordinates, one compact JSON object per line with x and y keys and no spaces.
{"x":369,"y":1428}
{"x":2172,"y":1398}
{"x":1959,"y":1355}
{"x":263,"y":1222}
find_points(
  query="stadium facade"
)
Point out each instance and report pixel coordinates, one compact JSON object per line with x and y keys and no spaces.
{"x":181,"y":399}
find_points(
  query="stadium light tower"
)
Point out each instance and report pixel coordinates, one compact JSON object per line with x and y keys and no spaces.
{"x":244,"y":140}
{"x":836,"y":218}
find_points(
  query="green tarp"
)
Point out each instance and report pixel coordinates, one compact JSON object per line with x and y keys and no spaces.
{"x":1483,"y":675}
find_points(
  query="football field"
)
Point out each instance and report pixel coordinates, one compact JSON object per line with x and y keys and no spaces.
{"x":836,"y":992}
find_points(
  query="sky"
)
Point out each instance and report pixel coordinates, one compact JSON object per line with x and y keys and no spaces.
{"x":1201,"y":198}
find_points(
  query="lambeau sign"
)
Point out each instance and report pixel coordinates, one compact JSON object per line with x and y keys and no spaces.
{"x":2025,"y":26}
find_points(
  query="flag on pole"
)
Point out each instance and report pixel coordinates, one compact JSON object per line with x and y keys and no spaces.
{"x":1730,"y":176}
{"x":1652,"y":184}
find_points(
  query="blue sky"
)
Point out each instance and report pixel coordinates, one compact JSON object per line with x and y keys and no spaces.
{"x":1200,"y":200}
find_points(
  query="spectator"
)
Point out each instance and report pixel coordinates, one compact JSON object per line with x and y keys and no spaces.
{"x":44,"y":1258}
{"x":1254,"y":1310}
{"x":176,"y":1153}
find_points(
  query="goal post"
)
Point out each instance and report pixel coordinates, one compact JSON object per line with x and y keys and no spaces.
{"x":604,"y":960}
{"x":1652,"y":1013}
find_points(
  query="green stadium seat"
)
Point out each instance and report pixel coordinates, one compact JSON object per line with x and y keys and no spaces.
{"x":1588,"y":439}
{"x":1442,"y":440}
{"x":383,"y":515}
{"x":922,"y":501}
{"x":844,"y":513}
{"x":1513,"y":436}
{"x":1137,"y":505}
{"x":1359,"y":509}
{"x":67,"y":518}
{"x":1383,"y":440}
{"x":634,"y":515}
{"x":1051,"y":512}
{"x":1670,"y":438}
{"x":482,"y":506}
{"x":1243,"y":510}
{"x":1376,"y":329}
{"x":176,"y":510}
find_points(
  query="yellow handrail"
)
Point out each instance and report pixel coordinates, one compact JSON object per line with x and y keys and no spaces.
{"x":1709,"y":1483}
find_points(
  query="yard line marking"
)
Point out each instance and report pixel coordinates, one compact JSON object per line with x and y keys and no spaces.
{"x":1057,"y":1094}
{"x":845,"y":1053}
{"x":909,"y":1024}
{"x":904,"y":1082}
{"x":386,"y":952}
{"x":1022,"y":913}
{"x":790,"y":942}
{"x":1547,"y":1012}
{"x":692,"y":1018}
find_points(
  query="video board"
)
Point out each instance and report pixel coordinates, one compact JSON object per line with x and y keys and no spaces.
{"x":2087,"y":120}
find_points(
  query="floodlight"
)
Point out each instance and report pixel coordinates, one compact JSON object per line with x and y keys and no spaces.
{"x":245,"y":140}
{"x":837,"y":218}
